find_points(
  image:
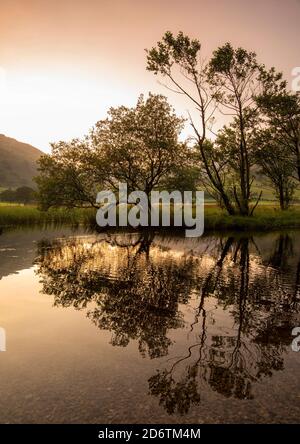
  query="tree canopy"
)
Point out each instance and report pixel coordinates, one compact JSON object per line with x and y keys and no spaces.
{"x":141,"y":145}
{"x":138,"y":146}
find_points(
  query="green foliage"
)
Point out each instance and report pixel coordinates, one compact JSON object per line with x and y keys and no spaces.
{"x":173,"y":50}
{"x":136,"y":145}
{"x":21,"y":195}
{"x":236,"y":84}
{"x":234,"y":75}
{"x":66,"y":177}
{"x":277,"y":165}
{"x":183,"y":53}
{"x":281,"y":111}
{"x":140,"y":145}
{"x":229,"y":62}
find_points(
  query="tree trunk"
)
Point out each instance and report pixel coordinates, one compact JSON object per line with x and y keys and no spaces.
{"x":298,"y":162}
{"x":281,"y":197}
{"x":216,"y":182}
{"x":244,"y":168}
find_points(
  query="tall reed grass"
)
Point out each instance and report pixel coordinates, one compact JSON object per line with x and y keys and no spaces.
{"x":266,"y":218}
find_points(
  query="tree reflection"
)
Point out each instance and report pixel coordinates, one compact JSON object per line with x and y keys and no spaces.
{"x":263,"y":317}
{"x":137,"y":295}
{"x":136,"y":288}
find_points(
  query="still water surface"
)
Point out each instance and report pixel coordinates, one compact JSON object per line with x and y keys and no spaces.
{"x":122,"y":328}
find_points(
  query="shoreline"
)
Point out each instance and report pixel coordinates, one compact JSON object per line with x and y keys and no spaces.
{"x":266,"y":218}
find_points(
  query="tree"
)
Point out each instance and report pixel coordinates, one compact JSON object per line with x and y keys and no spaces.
{"x":277,"y":164}
{"x":227,"y":143}
{"x":21,"y":195}
{"x":141,"y":143}
{"x":68,"y":176}
{"x":234,"y":74}
{"x":281,"y":109}
{"x":136,"y":145}
{"x":7,"y":196}
{"x":183,"y":53}
{"x":186,"y":176}
{"x":25,"y":194}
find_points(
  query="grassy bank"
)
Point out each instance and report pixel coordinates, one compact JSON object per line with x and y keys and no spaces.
{"x":17,"y":215}
{"x":266,"y":218}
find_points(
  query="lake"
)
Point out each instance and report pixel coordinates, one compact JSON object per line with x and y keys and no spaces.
{"x":148,"y":328}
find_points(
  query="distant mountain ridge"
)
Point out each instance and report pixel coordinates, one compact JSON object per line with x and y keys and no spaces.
{"x":18,"y":163}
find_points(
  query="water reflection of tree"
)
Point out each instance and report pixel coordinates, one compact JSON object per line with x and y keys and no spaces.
{"x":282,"y":250}
{"x":136,"y":288}
{"x":263,"y":316}
{"x":136,"y":295}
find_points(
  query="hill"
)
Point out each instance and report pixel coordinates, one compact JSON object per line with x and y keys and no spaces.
{"x":17,"y":163}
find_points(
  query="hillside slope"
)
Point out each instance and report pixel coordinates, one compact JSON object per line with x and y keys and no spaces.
{"x":17,"y":162}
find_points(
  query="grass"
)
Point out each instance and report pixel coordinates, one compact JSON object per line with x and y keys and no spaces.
{"x":267,"y":217}
{"x":16,"y":215}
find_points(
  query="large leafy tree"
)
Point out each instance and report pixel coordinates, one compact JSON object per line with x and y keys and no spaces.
{"x":137,"y":145}
{"x":281,"y":109}
{"x":227,"y":143}
{"x":68,"y":176}
{"x":141,"y":143}
{"x":177,"y":59}
{"x":22,"y":194}
{"x":277,"y":164}
{"x":235,"y":77}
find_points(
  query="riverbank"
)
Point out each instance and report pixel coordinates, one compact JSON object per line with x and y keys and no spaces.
{"x":267,"y":217}
{"x":18,"y":215}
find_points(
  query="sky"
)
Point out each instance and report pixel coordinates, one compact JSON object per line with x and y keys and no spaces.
{"x":63,"y":63}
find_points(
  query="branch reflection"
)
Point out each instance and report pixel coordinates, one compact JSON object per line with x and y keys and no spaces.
{"x":139,"y":286}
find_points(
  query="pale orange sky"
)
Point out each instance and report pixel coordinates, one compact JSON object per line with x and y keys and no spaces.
{"x":64,"y":62}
